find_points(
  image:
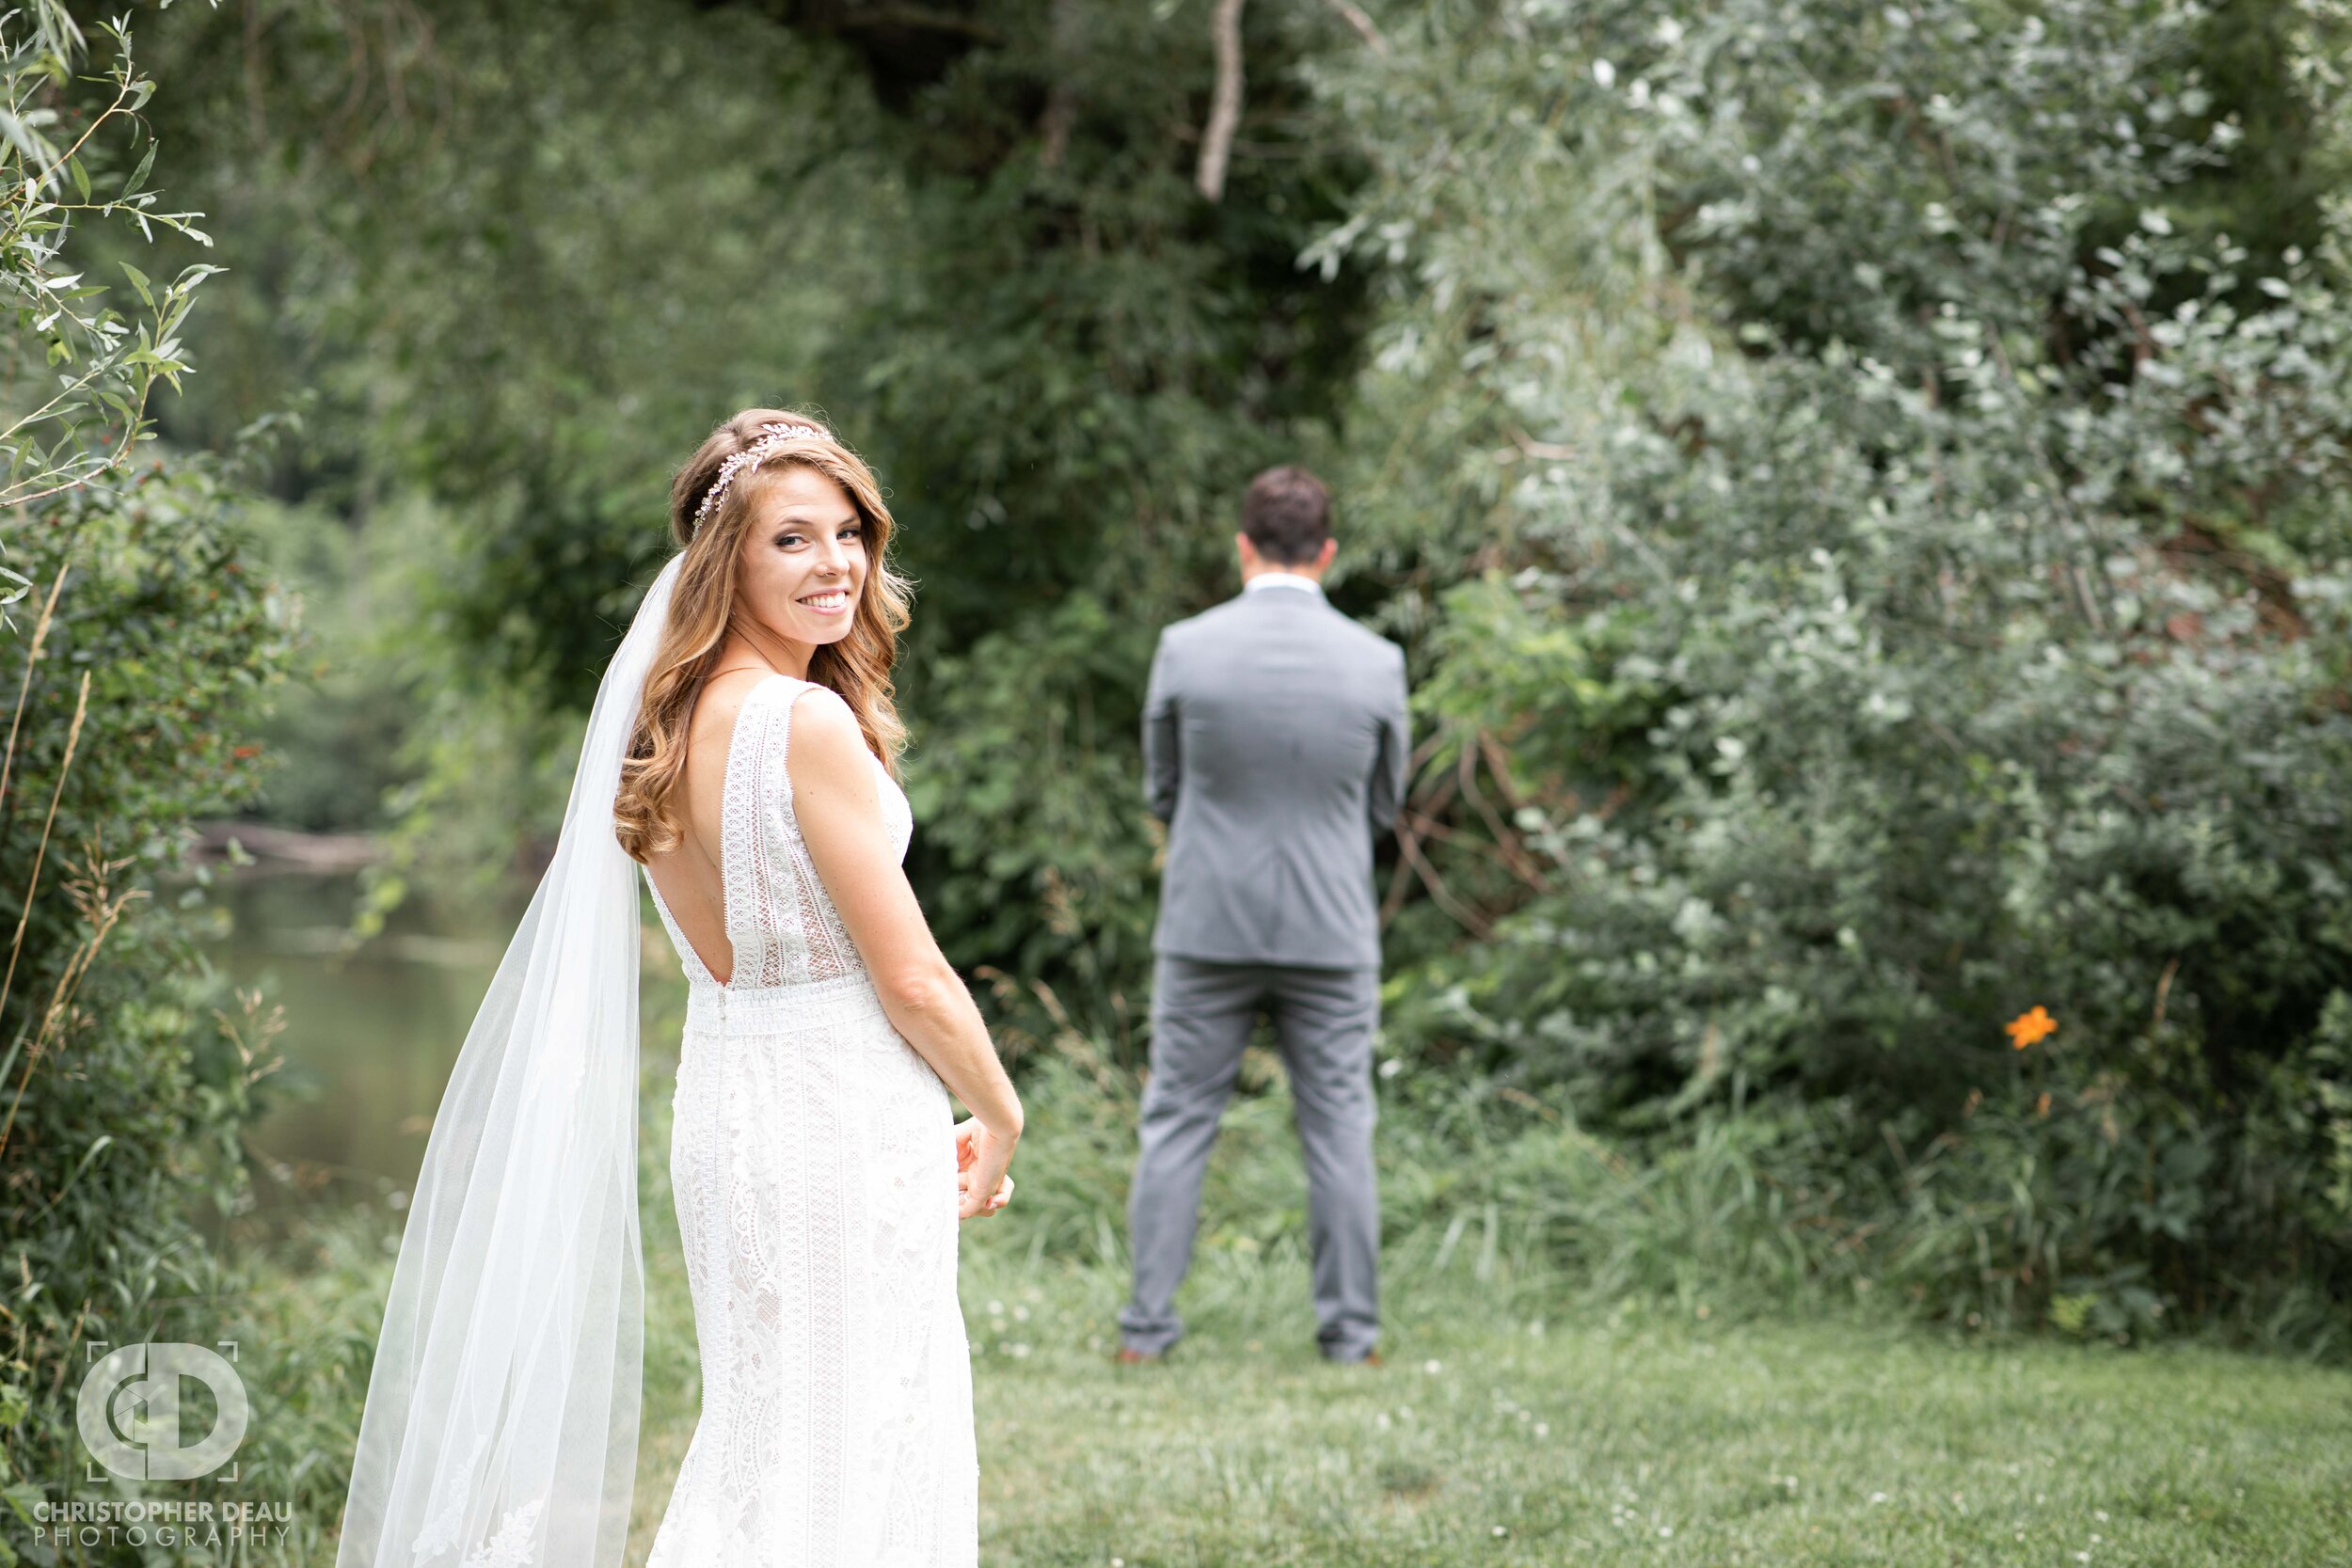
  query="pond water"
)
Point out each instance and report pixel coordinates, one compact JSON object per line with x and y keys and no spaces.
{"x":370,"y":1034}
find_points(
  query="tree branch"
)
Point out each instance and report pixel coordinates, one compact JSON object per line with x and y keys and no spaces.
{"x":1217,"y":140}
{"x":1354,"y":16}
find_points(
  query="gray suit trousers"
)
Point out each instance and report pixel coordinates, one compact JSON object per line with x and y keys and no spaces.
{"x":1201,"y":1015}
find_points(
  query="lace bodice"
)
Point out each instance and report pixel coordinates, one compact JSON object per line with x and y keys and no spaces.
{"x":813,"y":1161}
{"x":780,"y":921}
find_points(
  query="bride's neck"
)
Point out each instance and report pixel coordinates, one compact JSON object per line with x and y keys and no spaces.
{"x":758,"y":645}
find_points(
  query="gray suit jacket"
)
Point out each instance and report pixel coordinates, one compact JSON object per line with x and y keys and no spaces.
{"x":1275,"y":744}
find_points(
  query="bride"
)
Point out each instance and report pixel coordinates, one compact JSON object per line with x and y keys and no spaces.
{"x":740,"y":755}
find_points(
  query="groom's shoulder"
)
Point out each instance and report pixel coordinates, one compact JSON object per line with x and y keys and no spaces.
{"x":1205,"y":624}
{"x":1358,"y":637}
{"x":1222,"y":625}
{"x":1364,"y":637}
{"x":1231,"y":618}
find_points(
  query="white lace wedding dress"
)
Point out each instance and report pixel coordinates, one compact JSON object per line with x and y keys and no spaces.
{"x":812,"y":1156}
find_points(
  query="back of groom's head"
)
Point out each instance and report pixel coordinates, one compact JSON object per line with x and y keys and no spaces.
{"x":1286,"y":514}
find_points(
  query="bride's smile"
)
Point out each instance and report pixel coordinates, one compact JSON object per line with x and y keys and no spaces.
{"x":805,"y":558}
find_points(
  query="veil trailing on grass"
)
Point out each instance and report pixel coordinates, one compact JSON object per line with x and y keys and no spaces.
{"x":500,"y":1427}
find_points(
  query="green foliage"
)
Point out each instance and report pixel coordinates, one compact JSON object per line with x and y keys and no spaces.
{"x":520,"y":259}
{"x":136,"y":666}
{"x":66,"y":159}
{"x":1063,"y":903}
{"x":1079,"y":365}
{"x":977,"y":248}
{"x":1861,"y":484}
{"x":1922,"y":596}
{"x":131,"y":1068}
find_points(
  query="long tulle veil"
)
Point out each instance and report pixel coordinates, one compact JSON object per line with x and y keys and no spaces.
{"x":500,"y":1427}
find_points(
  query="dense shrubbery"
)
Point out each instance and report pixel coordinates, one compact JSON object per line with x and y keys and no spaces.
{"x":137,"y":657}
{"x":1914,"y":590}
{"x":977,"y":248}
{"x":132,"y":1067}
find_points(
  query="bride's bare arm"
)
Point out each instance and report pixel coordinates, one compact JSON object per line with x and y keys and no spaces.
{"x":837,"y":800}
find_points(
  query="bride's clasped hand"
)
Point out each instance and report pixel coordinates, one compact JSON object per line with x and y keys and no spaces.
{"x":982,"y":1183}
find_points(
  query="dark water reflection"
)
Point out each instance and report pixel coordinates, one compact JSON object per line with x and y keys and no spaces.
{"x":370,"y":1034}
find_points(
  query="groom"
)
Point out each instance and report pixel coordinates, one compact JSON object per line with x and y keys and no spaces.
{"x":1275,"y":748}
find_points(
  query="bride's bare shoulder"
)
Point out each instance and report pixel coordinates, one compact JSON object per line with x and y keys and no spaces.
{"x":828,"y":750}
{"x":710,"y":729}
{"x":720,"y":704}
{"x":823,"y":725}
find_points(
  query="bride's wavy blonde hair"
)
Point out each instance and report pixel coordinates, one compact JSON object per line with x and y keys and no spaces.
{"x":703,"y":606}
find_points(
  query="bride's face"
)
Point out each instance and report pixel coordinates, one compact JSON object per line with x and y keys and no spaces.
{"x":803,"y":560}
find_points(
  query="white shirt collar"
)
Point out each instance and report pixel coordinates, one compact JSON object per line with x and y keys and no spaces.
{"x":1282,"y":579}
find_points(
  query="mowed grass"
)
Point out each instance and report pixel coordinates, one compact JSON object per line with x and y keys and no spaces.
{"x":1496,"y":1437}
{"x":1501,"y":1434}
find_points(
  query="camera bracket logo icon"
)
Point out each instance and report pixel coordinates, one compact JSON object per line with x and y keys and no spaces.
{"x":130,"y":1408}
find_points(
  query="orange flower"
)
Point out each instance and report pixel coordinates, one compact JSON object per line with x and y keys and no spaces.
{"x":2026,"y":1028}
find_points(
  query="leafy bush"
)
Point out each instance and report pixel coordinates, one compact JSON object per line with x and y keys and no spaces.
{"x":132,"y":1067}
{"x":143,"y":649}
{"x":1913,"y":590}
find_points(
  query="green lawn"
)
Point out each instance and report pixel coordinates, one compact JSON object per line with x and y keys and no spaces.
{"x":1608,"y":1436}
{"x":1518,"y":1422}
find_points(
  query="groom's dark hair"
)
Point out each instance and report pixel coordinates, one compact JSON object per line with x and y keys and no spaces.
{"x":1287,"y":515}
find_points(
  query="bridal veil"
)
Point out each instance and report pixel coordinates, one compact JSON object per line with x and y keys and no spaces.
{"x":500,"y":1426}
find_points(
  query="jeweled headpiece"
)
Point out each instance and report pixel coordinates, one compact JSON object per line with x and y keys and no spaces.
{"x":771,"y":439}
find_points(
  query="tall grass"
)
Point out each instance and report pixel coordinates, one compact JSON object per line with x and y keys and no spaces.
{"x":1486,"y":1184}
{"x":1762,"y":1207}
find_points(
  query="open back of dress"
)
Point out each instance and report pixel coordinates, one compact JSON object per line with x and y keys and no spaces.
{"x":813,"y":1157}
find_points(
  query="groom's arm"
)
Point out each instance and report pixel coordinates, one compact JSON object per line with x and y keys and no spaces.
{"x":1161,"y":759}
{"x":1396,"y":751}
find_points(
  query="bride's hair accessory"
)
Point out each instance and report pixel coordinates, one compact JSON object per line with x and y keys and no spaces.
{"x":771,"y":439}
